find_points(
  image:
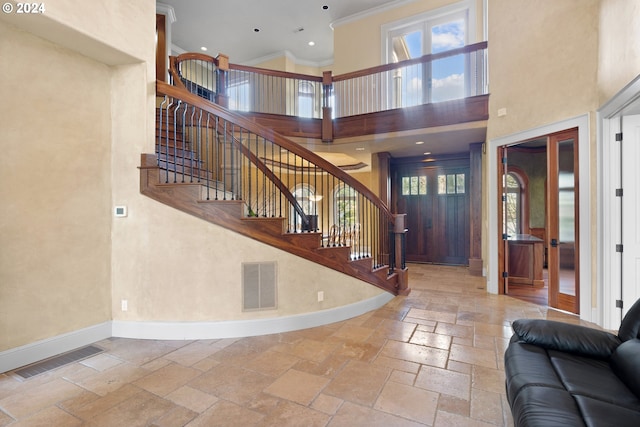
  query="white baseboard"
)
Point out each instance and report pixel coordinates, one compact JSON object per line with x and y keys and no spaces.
{"x":34,"y":352}
{"x":244,"y":328}
{"x":40,"y":350}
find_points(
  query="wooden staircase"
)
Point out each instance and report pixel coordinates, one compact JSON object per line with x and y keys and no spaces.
{"x":181,"y":175}
{"x":187,"y":197}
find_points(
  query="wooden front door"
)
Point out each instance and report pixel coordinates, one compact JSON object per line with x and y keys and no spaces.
{"x":436,"y":201}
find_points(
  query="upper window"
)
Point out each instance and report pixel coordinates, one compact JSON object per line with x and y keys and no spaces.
{"x":238,"y":93}
{"x":452,"y":183}
{"x":513,"y":204}
{"x":433,"y":32}
{"x":345,"y":206}
{"x":306,"y":98}
{"x":414,"y":185}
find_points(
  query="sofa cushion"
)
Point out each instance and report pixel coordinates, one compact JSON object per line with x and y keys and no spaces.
{"x":567,"y":337}
{"x":538,"y":406}
{"x":625,"y":362}
{"x":525,"y":365}
{"x":592,"y":378}
{"x":630,"y":326}
{"x":597,"y":413}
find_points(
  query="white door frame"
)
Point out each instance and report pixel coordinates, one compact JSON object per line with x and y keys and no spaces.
{"x":584,"y":153}
{"x":608,"y":225}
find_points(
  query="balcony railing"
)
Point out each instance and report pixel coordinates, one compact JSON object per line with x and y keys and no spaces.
{"x":382,"y":88}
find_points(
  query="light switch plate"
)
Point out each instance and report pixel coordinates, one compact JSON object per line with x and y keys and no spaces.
{"x":120,"y":211}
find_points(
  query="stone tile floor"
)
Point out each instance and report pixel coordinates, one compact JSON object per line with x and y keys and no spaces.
{"x":433,"y":358}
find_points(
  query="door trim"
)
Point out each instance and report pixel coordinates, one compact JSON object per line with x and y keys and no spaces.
{"x":584,"y":139}
{"x":608,"y":225}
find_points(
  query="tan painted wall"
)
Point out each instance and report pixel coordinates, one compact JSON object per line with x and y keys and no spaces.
{"x":55,"y":194}
{"x":284,"y":63}
{"x":549,"y":71}
{"x":619,"y":46}
{"x":78,"y":85}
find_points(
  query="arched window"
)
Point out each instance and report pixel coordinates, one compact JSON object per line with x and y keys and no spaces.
{"x":516,"y":202}
{"x":306,"y":99}
{"x":345,"y":204}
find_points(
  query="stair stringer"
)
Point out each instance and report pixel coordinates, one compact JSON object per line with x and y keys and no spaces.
{"x":186,"y":197}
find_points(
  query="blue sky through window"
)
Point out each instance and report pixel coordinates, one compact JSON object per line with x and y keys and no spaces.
{"x":447,"y":74}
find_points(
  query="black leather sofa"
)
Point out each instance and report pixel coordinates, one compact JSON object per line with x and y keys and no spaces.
{"x":560,"y":374}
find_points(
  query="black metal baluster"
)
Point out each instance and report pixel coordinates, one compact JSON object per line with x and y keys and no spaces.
{"x":207,"y":164}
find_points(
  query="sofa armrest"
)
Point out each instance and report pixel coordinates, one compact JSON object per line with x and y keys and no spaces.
{"x":566,"y":337}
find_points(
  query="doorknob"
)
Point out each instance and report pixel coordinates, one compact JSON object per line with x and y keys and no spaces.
{"x":554,"y":243}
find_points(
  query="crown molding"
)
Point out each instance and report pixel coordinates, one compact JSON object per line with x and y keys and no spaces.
{"x":165,"y":9}
{"x":369,"y":12}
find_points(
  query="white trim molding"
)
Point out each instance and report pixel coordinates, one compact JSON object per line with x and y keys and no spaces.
{"x":585,"y":195}
{"x":244,"y":328}
{"x":25,"y":355}
{"x":40,"y":350}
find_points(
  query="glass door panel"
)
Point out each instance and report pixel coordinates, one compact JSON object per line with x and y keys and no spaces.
{"x":563,"y":221}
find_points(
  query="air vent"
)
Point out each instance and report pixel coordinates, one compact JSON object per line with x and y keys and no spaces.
{"x":259,"y":291}
{"x":58,"y":361}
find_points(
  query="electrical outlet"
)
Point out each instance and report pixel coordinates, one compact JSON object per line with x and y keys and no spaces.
{"x":320,"y":296}
{"x":124,"y":305}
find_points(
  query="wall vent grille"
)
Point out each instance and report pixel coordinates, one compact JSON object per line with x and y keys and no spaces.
{"x":58,"y":361}
{"x":259,"y":290}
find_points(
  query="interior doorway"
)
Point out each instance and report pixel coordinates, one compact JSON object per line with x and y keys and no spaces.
{"x":540,"y":220}
{"x":498,"y":277}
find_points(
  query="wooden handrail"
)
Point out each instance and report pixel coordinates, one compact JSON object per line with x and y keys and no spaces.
{"x":197,"y":56}
{"x":262,"y":167}
{"x":275,"y":73}
{"x":163,"y":88}
{"x":425,"y":58}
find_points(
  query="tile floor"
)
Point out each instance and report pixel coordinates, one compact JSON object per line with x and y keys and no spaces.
{"x":433,"y":358}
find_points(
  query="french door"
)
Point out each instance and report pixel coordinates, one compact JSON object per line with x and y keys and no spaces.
{"x":563,"y":221}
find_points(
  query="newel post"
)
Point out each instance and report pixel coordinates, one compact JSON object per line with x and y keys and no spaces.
{"x":327,"y":121}
{"x":400,"y":242}
{"x":222,"y":98}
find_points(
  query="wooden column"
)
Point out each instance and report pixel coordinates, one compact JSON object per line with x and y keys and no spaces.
{"x":327,"y":120}
{"x":161,"y":48}
{"x":383,"y":167}
{"x":399,"y":233}
{"x":222,"y":99}
{"x":475,"y":209}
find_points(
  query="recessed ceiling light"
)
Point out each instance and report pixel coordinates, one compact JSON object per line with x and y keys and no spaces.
{"x":419,"y":142}
{"x":427,"y":153}
{"x":203,"y":48}
{"x":312,"y":43}
{"x":359,"y":148}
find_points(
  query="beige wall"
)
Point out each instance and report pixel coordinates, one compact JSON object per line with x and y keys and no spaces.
{"x":619,"y":47}
{"x":78,"y":99}
{"x":56,"y":190}
{"x":285,"y":63}
{"x":549,"y":71}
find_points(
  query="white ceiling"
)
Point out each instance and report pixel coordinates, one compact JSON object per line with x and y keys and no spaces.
{"x":228,"y":27}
